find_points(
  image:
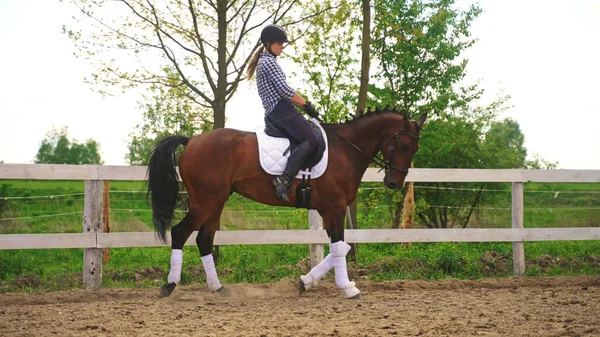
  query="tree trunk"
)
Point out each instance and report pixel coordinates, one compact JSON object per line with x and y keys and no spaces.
{"x":220,"y":91}
{"x":366,"y":57}
{"x":473,"y":207}
{"x":397,"y":209}
{"x":219,"y":113}
{"x":408,"y":211}
{"x":362,"y":101}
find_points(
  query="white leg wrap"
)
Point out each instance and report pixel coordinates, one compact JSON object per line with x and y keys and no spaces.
{"x":339,"y":251}
{"x":322,"y":268}
{"x":211,"y":273}
{"x":176,"y":263}
{"x":317,"y":273}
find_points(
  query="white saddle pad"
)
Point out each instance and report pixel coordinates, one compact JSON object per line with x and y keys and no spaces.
{"x":271,"y":157}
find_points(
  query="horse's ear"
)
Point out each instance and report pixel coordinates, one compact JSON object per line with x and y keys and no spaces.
{"x":422,"y":120}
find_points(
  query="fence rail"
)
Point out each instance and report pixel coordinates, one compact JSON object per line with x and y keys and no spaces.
{"x":93,"y":240}
{"x":137,"y":173}
{"x":267,"y":237}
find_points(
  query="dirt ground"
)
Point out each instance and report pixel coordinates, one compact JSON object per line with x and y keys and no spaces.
{"x":564,"y":306}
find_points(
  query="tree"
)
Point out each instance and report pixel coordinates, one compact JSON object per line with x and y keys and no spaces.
{"x":208,"y":43}
{"x":473,"y":138}
{"x":417,"y":44}
{"x":504,"y":144}
{"x":56,"y":148}
{"x":539,"y":163}
{"x":326,"y":59}
{"x":167,"y":112}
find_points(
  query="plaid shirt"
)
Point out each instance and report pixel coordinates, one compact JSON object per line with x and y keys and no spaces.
{"x":270,"y":81}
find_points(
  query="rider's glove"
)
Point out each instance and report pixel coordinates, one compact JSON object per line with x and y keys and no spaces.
{"x":310,"y":110}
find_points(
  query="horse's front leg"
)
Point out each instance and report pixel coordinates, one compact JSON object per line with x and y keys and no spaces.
{"x":333,"y":220}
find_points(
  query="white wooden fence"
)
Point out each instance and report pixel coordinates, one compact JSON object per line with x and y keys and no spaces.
{"x":93,"y":240}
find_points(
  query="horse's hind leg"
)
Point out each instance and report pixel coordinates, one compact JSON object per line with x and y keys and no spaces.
{"x":179,"y":235}
{"x":205,"y":240}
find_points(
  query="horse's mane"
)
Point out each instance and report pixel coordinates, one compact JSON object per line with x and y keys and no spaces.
{"x":370,"y":114}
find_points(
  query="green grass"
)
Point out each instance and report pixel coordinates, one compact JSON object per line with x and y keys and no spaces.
{"x":128,"y":267}
{"x":142,"y":267}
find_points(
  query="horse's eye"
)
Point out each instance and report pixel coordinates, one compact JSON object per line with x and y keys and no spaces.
{"x":404,"y":148}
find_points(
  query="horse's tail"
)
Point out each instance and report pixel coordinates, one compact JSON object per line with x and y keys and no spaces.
{"x":163,"y":183}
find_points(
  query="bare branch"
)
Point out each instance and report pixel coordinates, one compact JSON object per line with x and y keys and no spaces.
{"x":169,"y":54}
{"x":277,"y":19}
{"x":159,"y":80}
{"x":157,"y":25}
{"x":310,"y":16}
{"x":238,"y":11}
{"x":238,"y":78}
{"x":203,"y":57}
{"x":212,"y":65}
{"x":212,"y":4}
{"x":233,"y":85}
{"x":243,"y":32}
{"x":193,"y":99}
{"x":302,"y":34}
{"x":116,"y":31}
{"x":231,"y":4}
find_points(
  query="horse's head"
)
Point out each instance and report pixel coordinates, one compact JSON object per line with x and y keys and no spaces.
{"x":399,"y":143}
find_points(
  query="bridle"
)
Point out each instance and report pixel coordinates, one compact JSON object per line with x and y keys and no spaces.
{"x":384,"y":164}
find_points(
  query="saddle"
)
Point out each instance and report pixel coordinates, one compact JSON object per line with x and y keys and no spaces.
{"x":314,"y":157}
{"x":275,"y":146}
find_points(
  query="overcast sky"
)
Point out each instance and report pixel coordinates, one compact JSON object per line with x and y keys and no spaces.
{"x":544,"y":53}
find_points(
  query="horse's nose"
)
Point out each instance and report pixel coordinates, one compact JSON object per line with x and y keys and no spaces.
{"x":392,"y":185}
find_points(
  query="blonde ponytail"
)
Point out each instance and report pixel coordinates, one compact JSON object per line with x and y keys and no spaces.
{"x":253,"y":63}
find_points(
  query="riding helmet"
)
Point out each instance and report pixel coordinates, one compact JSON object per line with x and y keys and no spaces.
{"x":273,"y":33}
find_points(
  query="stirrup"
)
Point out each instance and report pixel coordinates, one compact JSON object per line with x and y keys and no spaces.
{"x":281,"y":188}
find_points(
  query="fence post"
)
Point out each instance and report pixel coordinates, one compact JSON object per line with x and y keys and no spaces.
{"x":106,"y":218}
{"x":92,"y":223}
{"x":316,"y":250}
{"x":517,"y":222}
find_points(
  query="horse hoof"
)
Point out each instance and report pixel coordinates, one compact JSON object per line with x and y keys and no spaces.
{"x":301,"y":288}
{"x":356,"y":297}
{"x":225,"y":292}
{"x":167,"y":289}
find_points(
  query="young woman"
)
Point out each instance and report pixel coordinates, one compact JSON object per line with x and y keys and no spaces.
{"x":279,"y":101}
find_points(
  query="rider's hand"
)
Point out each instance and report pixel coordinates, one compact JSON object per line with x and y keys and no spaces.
{"x":310,"y":110}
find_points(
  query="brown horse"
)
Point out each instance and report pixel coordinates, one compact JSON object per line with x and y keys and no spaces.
{"x":215,"y":164}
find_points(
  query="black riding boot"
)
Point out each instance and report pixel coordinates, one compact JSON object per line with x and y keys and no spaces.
{"x":294,"y":164}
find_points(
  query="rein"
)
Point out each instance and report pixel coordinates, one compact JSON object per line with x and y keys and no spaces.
{"x":383,"y":163}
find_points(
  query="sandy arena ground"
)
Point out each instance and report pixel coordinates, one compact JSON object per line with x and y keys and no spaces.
{"x":565,"y":306}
